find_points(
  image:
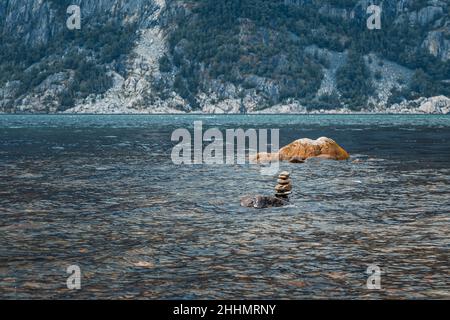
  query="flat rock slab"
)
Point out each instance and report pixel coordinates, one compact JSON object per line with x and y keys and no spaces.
{"x":261,"y":202}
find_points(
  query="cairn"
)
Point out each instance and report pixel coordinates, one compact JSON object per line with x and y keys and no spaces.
{"x":284,"y":187}
{"x":283,"y":190}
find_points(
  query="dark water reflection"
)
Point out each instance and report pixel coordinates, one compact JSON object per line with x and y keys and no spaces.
{"x":101,"y":192}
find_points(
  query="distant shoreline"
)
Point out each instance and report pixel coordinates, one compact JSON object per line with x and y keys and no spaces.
{"x":224,"y":114}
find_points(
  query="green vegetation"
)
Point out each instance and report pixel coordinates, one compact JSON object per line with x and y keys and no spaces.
{"x":233,"y":39}
{"x":354,"y":81}
{"x":84,"y":54}
{"x":236,"y":39}
{"x":259,"y":45}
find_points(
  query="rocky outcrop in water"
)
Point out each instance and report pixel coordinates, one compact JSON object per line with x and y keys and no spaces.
{"x":305,"y":148}
{"x":260,"y":202}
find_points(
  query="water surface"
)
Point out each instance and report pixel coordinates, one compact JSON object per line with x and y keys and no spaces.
{"x":102,"y":192}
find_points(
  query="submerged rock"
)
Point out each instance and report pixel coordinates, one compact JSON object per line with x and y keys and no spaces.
{"x":296,"y":160}
{"x":259,"y":202}
{"x":302,"y":149}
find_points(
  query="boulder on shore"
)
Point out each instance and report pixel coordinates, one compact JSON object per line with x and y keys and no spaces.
{"x":303,"y":149}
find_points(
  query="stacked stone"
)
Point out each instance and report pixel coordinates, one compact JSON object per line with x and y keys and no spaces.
{"x":284,"y":187}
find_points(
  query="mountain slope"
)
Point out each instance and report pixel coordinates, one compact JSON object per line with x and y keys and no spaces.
{"x":227,"y":56}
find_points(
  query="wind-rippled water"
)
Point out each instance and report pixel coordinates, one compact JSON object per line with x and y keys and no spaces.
{"x":102,"y":192}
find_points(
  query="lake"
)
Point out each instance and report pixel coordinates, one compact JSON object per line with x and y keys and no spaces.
{"x":102,"y":193}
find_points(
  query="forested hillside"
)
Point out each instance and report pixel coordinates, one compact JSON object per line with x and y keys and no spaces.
{"x":246,"y":41}
{"x":221,"y":56}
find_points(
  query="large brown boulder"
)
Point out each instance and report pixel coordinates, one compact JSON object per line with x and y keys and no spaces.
{"x":304,"y":149}
{"x":307,"y":148}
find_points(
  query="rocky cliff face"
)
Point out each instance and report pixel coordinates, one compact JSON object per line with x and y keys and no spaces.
{"x":131,"y":45}
{"x":34,"y":25}
{"x":433,"y":16}
{"x":36,"y":22}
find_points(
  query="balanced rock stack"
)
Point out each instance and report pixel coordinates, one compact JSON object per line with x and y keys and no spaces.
{"x":284,"y":187}
{"x":283,"y":190}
